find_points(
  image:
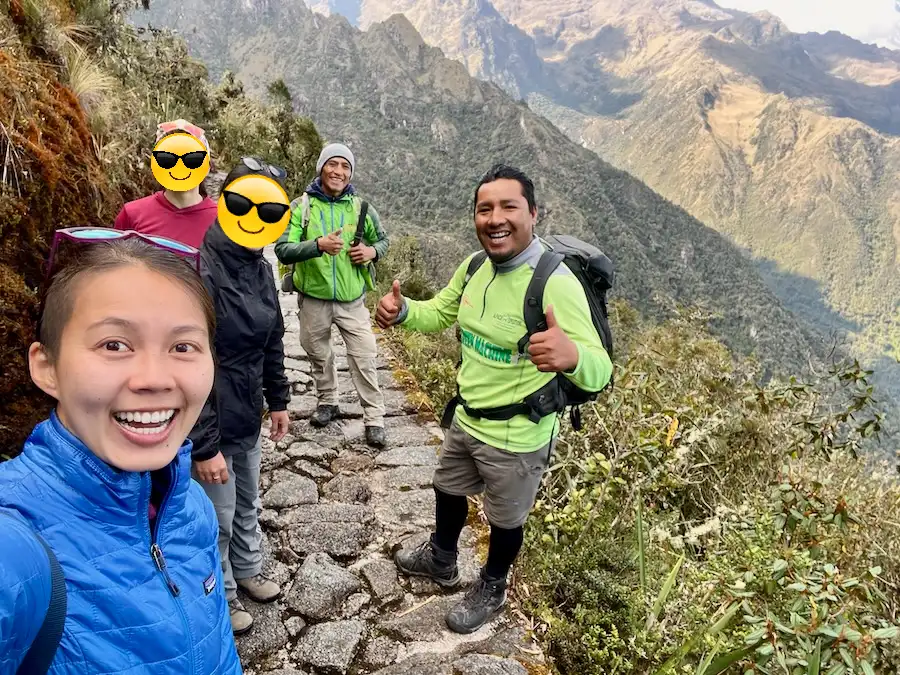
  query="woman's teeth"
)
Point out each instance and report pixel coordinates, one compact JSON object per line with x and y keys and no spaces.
{"x":158,"y":418}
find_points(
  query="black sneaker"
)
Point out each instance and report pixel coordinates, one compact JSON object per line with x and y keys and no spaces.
{"x":323,"y":415}
{"x":485,"y":598}
{"x":429,"y":561}
{"x":375,"y":437}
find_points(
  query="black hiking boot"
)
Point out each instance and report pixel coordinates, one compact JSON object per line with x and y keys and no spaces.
{"x":427,"y":560}
{"x":323,"y":415}
{"x":375,"y":437}
{"x":485,"y":598}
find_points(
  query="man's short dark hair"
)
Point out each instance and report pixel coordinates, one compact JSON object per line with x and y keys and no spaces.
{"x":506,"y":171}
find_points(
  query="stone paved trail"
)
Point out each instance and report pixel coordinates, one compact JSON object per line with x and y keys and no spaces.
{"x":334,"y":510}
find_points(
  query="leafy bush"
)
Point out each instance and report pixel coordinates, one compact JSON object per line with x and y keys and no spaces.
{"x":701,"y":523}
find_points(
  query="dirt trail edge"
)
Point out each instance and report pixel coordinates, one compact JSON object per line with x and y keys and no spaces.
{"x":333,"y":513}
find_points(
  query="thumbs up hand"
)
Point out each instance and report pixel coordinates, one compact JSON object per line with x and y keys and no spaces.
{"x":389,"y":307}
{"x":552,"y":351}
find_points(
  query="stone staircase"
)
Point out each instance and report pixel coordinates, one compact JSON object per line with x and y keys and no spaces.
{"x":334,"y":512}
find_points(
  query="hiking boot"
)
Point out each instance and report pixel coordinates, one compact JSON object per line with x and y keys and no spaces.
{"x":259,"y":588}
{"x":323,"y":415}
{"x":241,"y":621}
{"x":484,"y":599}
{"x":375,"y":437}
{"x":427,"y":560}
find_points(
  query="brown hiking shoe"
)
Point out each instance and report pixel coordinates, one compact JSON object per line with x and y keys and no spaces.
{"x":241,"y":621}
{"x":259,"y":588}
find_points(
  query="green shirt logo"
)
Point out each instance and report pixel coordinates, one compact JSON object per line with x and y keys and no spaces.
{"x":487,"y":349}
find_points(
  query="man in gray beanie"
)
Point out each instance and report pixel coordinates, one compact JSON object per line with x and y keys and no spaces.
{"x":331,"y":271}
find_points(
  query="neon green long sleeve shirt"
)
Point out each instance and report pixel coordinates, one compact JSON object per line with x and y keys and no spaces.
{"x":490,"y":316}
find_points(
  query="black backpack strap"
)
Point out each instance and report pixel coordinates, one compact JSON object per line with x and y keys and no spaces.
{"x":42,"y":651}
{"x":361,"y":223}
{"x":533,"y":311}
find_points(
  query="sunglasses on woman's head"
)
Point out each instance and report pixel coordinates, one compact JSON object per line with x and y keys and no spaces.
{"x":256,"y":165}
{"x":168,"y":160}
{"x":86,"y":235}
{"x":239,"y":205}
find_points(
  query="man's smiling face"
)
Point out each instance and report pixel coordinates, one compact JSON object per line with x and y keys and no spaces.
{"x":504,"y":222}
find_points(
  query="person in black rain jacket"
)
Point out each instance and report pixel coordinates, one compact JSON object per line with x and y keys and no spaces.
{"x":250,"y":367}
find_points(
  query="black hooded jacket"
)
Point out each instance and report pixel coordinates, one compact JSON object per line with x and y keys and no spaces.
{"x":249,"y":347}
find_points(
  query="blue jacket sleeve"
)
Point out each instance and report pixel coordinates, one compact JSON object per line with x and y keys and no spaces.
{"x":24,"y":590}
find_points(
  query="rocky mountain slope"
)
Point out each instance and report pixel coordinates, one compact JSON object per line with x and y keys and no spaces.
{"x":786,"y":143}
{"x":423,"y":131}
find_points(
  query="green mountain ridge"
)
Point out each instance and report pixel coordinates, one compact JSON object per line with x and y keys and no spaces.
{"x":423,"y":131}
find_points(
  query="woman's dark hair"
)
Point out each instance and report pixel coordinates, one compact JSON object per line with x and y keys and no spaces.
{"x":78,"y":261}
{"x":499,"y":171}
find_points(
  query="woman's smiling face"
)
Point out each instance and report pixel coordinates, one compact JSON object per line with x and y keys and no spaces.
{"x":133,"y":369}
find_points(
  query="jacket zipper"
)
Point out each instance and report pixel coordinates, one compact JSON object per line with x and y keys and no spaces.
{"x":333,"y":261}
{"x":159,"y":559}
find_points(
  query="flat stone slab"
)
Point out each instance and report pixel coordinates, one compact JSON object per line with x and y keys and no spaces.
{"x":332,"y":436}
{"x":268,"y":634}
{"x":408,"y":430}
{"x":413,"y":508}
{"x":485,"y":664}
{"x":348,"y":489}
{"x":302,"y":406}
{"x":312,"y":470}
{"x":330,"y":647}
{"x":311,"y":451}
{"x":424,"y":455}
{"x":301,"y":365}
{"x":321,"y":587}
{"x":380,"y":652}
{"x":293,"y":350}
{"x":419,"y":664}
{"x":383,"y":580}
{"x":341,"y":530}
{"x":402,"y":478}
{"x":297,"y":377}
{"x":352,"y":462}
{"x":424,"y":624}
{"x":289,"y":489}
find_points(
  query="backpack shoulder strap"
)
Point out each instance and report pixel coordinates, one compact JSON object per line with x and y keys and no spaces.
{"x":303,"y":202}
{"x":43,"y":649}
{"x":476,"y":262}
{"x":361,"y":221}
{"x":533,"y":310}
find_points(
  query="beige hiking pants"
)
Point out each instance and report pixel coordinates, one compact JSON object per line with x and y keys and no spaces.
{"x":355,"y":324}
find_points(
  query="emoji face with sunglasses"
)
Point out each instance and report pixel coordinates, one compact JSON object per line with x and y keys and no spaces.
{"x":253,"y":211}
{"x":179,"y":162}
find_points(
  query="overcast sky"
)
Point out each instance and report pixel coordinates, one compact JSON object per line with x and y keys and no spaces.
{"x":866,"y":20}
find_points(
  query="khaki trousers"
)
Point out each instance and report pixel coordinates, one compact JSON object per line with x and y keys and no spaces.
{"x":355,"y":324}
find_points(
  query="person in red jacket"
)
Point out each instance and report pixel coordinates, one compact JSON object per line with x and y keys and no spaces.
{"x":184,"y":216}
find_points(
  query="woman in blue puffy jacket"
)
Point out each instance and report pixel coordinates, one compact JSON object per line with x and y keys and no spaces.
{"x":101,"y":525}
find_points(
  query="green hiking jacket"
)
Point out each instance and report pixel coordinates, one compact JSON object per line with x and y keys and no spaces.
{"x":491,"y":321}
{"x":318,"y":274}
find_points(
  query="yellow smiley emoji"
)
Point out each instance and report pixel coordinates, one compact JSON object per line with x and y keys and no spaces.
{"x":179,"y":162}
{"x":253,"y":211}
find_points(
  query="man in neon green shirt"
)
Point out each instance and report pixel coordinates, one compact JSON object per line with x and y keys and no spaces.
{"x":505,"y":459}
{"x":329,"y":277}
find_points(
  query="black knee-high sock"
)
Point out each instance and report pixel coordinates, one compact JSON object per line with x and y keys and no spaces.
{"x":504,"y":548}
{"x":450,"y":518}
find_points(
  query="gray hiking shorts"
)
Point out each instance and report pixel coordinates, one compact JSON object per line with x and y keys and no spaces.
{"x":509,"y":480}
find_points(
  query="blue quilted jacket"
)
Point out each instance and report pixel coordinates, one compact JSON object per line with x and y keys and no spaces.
{"x":126,"y":613}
